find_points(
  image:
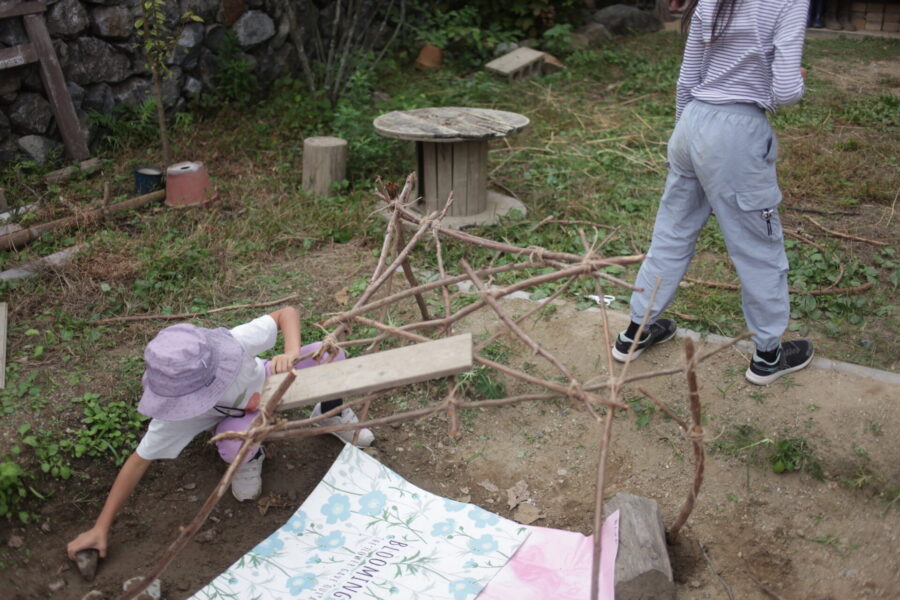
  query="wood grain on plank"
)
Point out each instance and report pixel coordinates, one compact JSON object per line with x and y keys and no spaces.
{"x":374,"y":372}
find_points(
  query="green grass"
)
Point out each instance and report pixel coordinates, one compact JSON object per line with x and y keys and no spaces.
{"x":594,"y":152}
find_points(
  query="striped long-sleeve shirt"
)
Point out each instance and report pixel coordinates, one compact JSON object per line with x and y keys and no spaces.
{"x":755,"y":60}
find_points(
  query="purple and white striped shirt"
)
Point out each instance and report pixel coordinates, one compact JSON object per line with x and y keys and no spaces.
{"x":756,"y":60}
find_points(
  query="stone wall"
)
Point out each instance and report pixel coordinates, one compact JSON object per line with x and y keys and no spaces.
{"x":103,"y":66}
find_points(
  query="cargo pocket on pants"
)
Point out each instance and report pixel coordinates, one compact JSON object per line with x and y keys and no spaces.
{"x":759,"y":212}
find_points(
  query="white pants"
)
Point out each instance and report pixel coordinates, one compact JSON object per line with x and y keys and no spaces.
{"x":722,"y":161}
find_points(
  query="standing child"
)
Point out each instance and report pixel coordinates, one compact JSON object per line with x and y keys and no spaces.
{"x":200,"y":379}
{"x":742,"y":59}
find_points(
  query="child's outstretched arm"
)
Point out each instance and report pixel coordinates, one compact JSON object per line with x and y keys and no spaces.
{"x":288,"y":321}
{"x":98,"y":536}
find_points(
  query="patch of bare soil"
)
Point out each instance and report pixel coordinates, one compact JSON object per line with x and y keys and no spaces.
{"x":752,"y":529}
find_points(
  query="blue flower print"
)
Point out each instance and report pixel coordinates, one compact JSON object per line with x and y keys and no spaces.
{"x":269,"y":546}
{"x":372,"y":503}
{"x":313,"y":560}
{"x":332,"y":541}
{"x":470,"y":564}
{"x":453,"y":505}
{"x":297,"y":523}
{"x":306,"y":581}
{"x":462,"y":588}
{"x":443,"y":528}
{"x":483,"y":518}
{"x":337,"y":509}
{"x":483,"y":545}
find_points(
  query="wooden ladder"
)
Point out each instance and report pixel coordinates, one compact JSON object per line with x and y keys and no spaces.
{"x":40,"y":49}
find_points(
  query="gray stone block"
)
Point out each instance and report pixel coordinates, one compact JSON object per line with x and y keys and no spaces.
{"x":91,"y":60}
{"x":114,"y":22}
{"x":30,"y":113}
{"x":98,"y":98}
{"x":132,"y":91}
{"x":39,"y":148}
{"x":67,"y":18}
{"x":620,"y":19}
{"x":253,"y":27}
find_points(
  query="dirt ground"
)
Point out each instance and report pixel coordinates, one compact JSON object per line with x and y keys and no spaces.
{"x":751,"y":530}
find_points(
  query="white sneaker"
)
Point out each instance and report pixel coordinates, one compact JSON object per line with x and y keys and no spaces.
{"x":247,"y":483}
{"x":346,"y":417}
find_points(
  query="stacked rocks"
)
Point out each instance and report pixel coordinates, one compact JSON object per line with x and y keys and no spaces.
{"x":104,"y":66}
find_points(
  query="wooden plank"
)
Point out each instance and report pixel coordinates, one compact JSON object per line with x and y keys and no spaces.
{"x":10,"y":9}
{"x":3,"y":312}
{"x":374,"y":372}
{"x":460,"y":174}
{"x":52,"y":76}
{"x":17,"y":56}
{"x":512,"y":63}
{"x":443,"y":181}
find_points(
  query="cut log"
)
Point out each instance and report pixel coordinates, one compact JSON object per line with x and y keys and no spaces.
{"x":324,"y":164}
{"x":86,"y":166}
{"x":25,"y":236}
{"x":642,"y":564}
{"x":374,"y":372}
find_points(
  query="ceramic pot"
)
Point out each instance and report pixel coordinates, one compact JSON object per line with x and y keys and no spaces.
{"x":187,"y":184}
{"x":429,"y":58}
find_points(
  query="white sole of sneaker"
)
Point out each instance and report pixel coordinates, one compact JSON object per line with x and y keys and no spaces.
{"x":622,"y":357}
{"x":767,"y":379}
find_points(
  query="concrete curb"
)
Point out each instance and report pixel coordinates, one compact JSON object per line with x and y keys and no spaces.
{"x":819,"y":363}
{"x":745,"y":345}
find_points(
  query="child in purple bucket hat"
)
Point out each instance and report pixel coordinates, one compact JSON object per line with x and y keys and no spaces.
{"x":199,"y":379}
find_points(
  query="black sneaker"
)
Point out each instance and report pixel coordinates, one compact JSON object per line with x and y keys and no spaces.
{"x":658,"y":332}
{"x":792,"y":356}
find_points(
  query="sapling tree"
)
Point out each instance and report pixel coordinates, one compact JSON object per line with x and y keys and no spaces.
{"x":158,"y":42}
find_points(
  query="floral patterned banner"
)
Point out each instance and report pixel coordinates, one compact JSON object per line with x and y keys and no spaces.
{"x":367,"y":533}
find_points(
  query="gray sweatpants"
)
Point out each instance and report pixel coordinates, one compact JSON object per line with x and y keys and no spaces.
{"x":722,"y":161}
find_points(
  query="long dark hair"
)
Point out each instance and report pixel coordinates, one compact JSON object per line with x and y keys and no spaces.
{"x":724,"y":12}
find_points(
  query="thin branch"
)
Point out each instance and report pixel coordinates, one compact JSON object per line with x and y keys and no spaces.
{"x":845,"y":235}
{"x":195,"y":314}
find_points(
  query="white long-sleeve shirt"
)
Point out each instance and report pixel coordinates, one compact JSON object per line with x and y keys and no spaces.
{"x":756,"y":60}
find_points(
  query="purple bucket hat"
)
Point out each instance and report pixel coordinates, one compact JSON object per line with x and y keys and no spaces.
{"x":188,"y":369}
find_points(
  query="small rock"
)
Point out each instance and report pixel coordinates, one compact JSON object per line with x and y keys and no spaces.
{"x":694,"y":583}
{"x":489,"y":485}
{"x":45,"y":526}
{"x":86,"y":560}
{"x":527,"y":514}
{"x":192,"y":498}
{"x":57,"y":585}
{"x":94,"y":595}
{"x":206,"y":536}
{"x":190,"y":486}
{"x":517,"y":494}
{"x":253,"y":27}
{"x":153,"y":591}
{"x":15,"y":541}
{"x":182,"y":586}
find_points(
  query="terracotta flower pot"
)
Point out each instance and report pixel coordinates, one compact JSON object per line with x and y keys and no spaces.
{"x":429,"y":58}
{"x":187,"y":184}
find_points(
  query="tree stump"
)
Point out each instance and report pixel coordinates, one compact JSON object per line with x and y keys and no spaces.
{"x":324,"y":163}
{"x":642,"y":563}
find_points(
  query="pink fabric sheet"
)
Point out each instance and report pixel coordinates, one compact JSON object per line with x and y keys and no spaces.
{"x":556,"y":564}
